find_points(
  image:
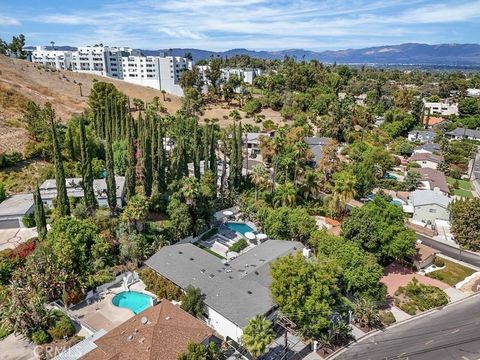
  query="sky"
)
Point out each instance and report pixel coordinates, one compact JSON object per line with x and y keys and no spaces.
{"x":253,"y":24}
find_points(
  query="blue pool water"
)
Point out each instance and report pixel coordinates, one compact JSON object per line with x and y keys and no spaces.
{"x":135,"y":301}
{"x":242,"y":228}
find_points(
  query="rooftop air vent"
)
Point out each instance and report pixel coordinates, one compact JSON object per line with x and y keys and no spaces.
{"x":130,"y":338}
{"x":180,"y":252}
{"x":249,"y":292}
{"x":144,"y":320}
{"x":203,"y":270}
{"x":191,"y":259}
{"x":168,"y":318}
{"x":211,"y":276}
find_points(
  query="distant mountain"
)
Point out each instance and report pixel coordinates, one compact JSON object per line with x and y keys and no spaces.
{"x":404,"y":54}
{"x":411,"y":54}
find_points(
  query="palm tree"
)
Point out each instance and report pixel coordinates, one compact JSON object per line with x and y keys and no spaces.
{"x":311,"y":184}
{"x":285,"y":195}
{"x":257,"y":335}
{"x":259,"y":177}
{"x":53,"y":44}
{"x":343,"y":190}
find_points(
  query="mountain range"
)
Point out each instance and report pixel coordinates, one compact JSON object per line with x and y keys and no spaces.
{"x":403,"y":54}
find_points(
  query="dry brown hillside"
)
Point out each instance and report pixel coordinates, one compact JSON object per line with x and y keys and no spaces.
{"x":21,"y":81}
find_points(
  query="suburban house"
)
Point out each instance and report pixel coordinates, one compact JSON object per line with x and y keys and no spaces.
{"x":234,"y":291}
{"x":252,"y":141}
{"x":316,"y":145}
{"x":162,"y":332}
{"x":440,"y":108}
{"x":424,"y":256}
{"x":422,"y":135}
{"x":429,"y":206}
{"x":427,"y":160}
{"x":431,"y":179}
{"x":15,"y":207}
{"x":462,"y":133}
{"x":431,"y":148}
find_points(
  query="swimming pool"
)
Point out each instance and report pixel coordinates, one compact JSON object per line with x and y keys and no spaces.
{"x":132,"y":300}
{"x":242,"y":228}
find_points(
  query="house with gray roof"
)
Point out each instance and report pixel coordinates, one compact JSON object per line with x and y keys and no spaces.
{"x":15,"y":207}
{"x":431,"y":179}
{"x":431,"y":148}
{"x":234,"y":291}
{"x":316,"y":144}
{"x":429,"y":206}
{"x":422,"y":135}
{"x":462,"y":133}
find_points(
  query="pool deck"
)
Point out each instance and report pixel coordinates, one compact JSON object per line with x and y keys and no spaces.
{"x":101,"y":313}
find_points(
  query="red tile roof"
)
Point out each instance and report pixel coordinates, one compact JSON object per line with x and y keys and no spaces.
{"x":164,"y":336}
{"x":431,"y":121}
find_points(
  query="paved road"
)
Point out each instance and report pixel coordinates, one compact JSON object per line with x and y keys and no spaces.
{"x":451,"y":251}
{"x":452,"y":333}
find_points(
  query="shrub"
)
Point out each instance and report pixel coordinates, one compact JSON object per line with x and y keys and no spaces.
{"x":238,"y":246}
{"x":40,"y":337}
{"x":4,"y":332}
{"x":387,"y":318}
{"x":160,"y":286}
{"x":439,"y":262}
{"x":415,"y":297}
{"x":29,"y":220}
{"x":252,"y":106}
{"x":63,"y":327}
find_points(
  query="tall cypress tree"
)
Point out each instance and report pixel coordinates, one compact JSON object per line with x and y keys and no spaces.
{"x":239,"y":156}
{"x":130,"y":174}
{"x":162,"y":160}
{"x":196,"y":151}
{"x":71,"y":148}
{"x":213,"y":154}
{"x":147,"y":159}
{"x":62,"y":199}
{"x":111,"y":184}
{"x":232,"y":175}
{"x":206,"y":143}
{"x":40,"y":220}
{"x":87,"y":173}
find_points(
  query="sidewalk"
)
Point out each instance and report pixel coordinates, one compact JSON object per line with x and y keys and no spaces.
{"x":399,"y":315}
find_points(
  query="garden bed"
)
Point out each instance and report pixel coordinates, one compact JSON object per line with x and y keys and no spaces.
{"x":415,"y":298}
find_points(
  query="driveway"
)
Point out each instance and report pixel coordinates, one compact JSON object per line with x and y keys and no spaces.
{"x":396,"y":275}
{"x":16,"y":348}
{"x":11,"y":238}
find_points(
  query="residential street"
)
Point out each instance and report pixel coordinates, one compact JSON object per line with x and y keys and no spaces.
{"x":451,"y":333}
{"x":451,"y":251}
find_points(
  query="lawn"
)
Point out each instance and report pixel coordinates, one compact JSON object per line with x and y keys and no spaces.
{"x":452,"y":274}
{"x":464,"y":189}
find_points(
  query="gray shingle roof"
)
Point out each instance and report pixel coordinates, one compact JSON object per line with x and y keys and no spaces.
{"x":428,"y":197}
{"x":238,"y":290}
{"x":432,"y":147}
{"x":464,"y":132}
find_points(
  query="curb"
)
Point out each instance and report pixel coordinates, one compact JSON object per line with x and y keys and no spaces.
{"x":415,"y":317}
{"x":458,"y":261}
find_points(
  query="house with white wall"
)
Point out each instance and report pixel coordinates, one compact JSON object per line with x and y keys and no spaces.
{"x":427,"y":160}
{"x":443,"y":108}
{"x":235,"y":291}
{"x":422,"y":135}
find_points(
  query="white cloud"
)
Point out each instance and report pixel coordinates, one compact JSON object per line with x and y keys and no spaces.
{"x":223,"y":24}
{"x":8,"y":21}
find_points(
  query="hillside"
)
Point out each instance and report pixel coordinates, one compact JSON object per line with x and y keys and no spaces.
{"x":411,"y":54}
{"x":21,"y":81}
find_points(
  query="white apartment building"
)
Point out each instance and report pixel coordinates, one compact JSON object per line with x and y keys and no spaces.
{"x":58,"y":59}
{"x":162,"y":73}
{"x":100,"y":60}
{"x":158,"y":72}
{"x":440,"y":108}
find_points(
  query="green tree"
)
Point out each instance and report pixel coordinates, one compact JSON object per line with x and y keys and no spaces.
{"x":343,"y":191}
{"x":40,"y":220}
{"x":87,"y":175}
{"x":259,"y":177}
{"x":366,"y":313}
{"x":3,"y":193}
{"x":130,"y":174}
{"x":285,"y":195}
{"x":257,"y":335}
{"x":379,"y":228}
{"x":201,"y":352}
{"x":305,"y":291}
{"x":360,"y":273}
{"x":136,"y":211}
{"x":465,"y":216}
{"x":62,"y":200}
{"x":192,"y":301}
